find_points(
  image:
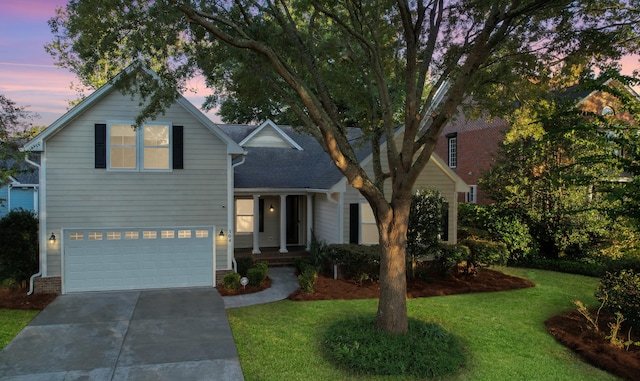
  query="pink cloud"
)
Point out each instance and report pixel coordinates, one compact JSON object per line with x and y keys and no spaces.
{"x":31,"y":9}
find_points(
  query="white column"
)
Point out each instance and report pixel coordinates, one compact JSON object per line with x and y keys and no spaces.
{"x":309,"y":220}
{"x":283,"y":223}
{"x":256,"y":224}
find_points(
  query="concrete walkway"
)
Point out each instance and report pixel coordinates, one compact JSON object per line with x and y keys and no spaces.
{"x":174,"y":334}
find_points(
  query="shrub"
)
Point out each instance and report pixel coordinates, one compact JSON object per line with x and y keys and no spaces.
{"x":425,"y":222}
{"x":244,"y":264}
{"x":451,"y":256}
{"x":620,"y":292}
{"x":357,"y":261}
{"x":256,"y":276}
{"x":319,"y":251}
{"x":231,"y":281}
{"x":301,"y":264}
{"x":425,"y":351}
{"x":18,"y":245}
{"x":485,"y":253}
{"x":564,"y":265}
{"x":307,"y":279}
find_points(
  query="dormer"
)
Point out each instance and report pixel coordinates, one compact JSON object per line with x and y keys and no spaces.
{"x":269,"y":135}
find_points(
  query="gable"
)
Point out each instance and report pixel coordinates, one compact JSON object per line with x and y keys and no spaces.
{"x":269,"y":135}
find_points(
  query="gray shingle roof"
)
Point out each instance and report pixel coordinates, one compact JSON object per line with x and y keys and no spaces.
{"x":281,"y":168}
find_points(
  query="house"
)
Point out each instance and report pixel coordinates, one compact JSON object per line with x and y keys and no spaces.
{"x":470,"y":146}
{"x":21,"y":192}
{"x":167,"y":204}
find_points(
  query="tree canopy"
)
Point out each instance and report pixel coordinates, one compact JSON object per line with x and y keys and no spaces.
{"x":14,"y":128}
{"x":326,"y":65}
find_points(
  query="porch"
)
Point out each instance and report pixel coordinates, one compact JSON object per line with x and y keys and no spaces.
{"x":273,"y":256}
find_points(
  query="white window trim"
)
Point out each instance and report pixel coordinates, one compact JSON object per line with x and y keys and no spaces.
{"x":472,"y":195}
{"x":452,"y":155}
{"x":139,"y":147}
{"x":237,"y":214}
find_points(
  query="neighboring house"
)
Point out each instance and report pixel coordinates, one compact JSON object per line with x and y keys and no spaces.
{"x":167,"y":204}
{"x":21,"y":192}
{"x":470,"y":146}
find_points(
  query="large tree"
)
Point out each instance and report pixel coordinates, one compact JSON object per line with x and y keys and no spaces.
{"x":15,"y":126}
{"x":327,"y":65}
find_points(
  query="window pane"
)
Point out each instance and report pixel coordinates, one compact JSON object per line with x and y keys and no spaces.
{"x":123,"y":134}
{"x":156,"y":158}
{"x":244,"y":207}
{"x":156,"y":147}
{"x":122,"y":157}
{"x":156,"y":136}
{"x":244,"y":224}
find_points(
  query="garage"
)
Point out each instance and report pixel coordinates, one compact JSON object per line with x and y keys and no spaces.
{"x":137,"y":258}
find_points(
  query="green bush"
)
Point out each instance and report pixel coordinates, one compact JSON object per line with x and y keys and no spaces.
{"x":320,"y":258}
{"x":307,"y":279}
{"x":620,"y":292}
{"x":451,"y":256}
{"x":256,"y":276}
{"x":425,"y":351}
{"x":425,"y":223}
{"x":357,"y":261}
{"x":231,"y":281}
{"x":244,"y":264}
{"x":18,"y":245}
{"x":484,"y":253}
{"x":563,"y":265}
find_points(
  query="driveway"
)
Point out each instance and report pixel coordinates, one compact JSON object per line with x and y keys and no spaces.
{"x":178,"y":334}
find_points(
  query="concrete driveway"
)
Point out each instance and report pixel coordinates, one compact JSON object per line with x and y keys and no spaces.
{"x":178,"y":334}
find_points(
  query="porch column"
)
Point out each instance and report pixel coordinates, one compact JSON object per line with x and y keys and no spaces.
{"x":283,"y":223}
{"x":256,"y":224}
{"x":309,"y":221}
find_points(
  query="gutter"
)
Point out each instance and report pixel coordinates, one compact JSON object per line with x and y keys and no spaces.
{"x":39,"y":273}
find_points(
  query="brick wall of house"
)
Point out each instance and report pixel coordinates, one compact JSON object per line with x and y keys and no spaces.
{"x":477,"y":149}
{"x":48,"y":285}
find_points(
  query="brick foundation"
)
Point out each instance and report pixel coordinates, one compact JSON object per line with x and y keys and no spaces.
{"x":48,"y":285}
{"x":220,"y":275}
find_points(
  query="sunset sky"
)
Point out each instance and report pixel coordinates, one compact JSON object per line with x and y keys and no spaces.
{"x":28,"y":75}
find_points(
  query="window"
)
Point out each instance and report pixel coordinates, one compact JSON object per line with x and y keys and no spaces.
{"x":368,"y":225}
{"x":244,"y":216}
{"x":452,"y":144}
{"x":147,"y":148}
{"x":472,"y":194}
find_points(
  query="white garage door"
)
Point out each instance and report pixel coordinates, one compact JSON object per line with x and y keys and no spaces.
{"x":125,"y":259}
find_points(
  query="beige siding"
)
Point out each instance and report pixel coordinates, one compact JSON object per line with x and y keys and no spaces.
{"x":80,"y":196}
{"x":325,"y":217}
{"x":268,"y":137}
{"x":431,"y":177}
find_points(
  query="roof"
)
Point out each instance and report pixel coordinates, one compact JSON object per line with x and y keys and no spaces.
{"x":26,"y":174}
{"x":306,"y":167}
{"x":37,"y":143}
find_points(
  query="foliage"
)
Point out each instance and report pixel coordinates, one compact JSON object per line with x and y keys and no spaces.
{"x":326,"y":66}
{"x":557,"y":166}
{"x":425,"y":222}
{"x":569,"y":266}
{"x":319,"y":251}
{"x":307,"y":279}
{"x":18,"y":245}
{"x":621,"y":293}
{"x":484,"y":253}
{"x":258,"y":274}
{"x":14,"y":128}
{"x":356,"y":262}
{"x":244,"y":264}
{"x":426,"y":351}
{"x":231,"y":281}
{"x":450,"y":256}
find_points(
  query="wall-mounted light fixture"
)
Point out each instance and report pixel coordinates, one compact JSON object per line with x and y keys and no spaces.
{"x":52,"y":238}
{"x":221,"y":234}
{"x":271,"y":208}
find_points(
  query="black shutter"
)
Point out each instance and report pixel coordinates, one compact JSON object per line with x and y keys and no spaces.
{"x":100,"y":145}
{"x":354,"y":223}
{"x":178,"y":147}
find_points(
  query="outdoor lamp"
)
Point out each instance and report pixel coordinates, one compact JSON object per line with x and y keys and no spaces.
{"x":221,"y":234}
{"x":271,"y":208}
{"x":52,"y":238}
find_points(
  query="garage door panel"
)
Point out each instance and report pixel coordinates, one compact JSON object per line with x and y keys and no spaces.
{"x":110,"y":263}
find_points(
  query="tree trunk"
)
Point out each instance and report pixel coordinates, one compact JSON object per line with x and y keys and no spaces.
{"x":392,"y":306}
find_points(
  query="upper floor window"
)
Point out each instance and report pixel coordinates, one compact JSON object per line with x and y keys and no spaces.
{"x":452,"y":143}
{"x":141,"y":149}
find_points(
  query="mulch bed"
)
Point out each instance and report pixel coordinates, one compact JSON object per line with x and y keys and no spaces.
{"x":17,"y":299}
{"x":572,"y":331}
{"x":485,"y":280}
{"x":244,"y":290}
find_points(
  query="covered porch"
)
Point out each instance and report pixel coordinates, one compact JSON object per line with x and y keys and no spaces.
{"x":272,"y":223}
{"x":274,"y":257}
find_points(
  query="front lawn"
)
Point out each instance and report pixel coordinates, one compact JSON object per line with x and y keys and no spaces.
{"x":504,"y":332}
{"x":12,"y":322}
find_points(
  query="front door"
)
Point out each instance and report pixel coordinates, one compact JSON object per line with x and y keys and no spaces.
{"x":293,"y":220}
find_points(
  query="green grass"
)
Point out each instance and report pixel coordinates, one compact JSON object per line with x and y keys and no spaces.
{"x":12,"y":322}
{"x":503,"y":332}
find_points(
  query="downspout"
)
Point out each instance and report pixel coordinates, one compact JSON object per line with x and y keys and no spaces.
{"x":230,"y":211}
{"x":41,"y":231}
